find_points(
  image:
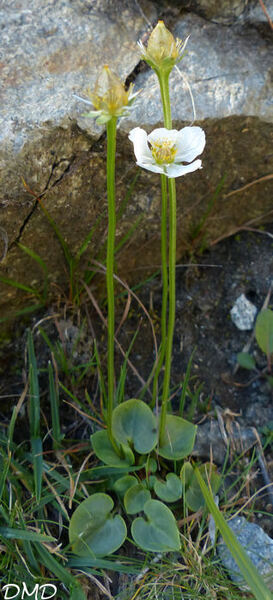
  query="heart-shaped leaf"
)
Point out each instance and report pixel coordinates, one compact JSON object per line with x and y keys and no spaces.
{"x":246,"y":360}
{"x":159,"y":533}
{"x":135,"y":498}
{"x":169,"y":491}
{"x":123,"y":484}
{"x":134,"y":424}
{"x":193,"y":495}
{"x":264,"y":331}
{"x":107,"y":454}
{"x":151,"y":482}
{"x":93,"y":530}
{"x":178,"y":439}
{"x":151,"y":465}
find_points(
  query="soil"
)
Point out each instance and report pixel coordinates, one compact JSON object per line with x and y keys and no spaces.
{"x":206,"y":291}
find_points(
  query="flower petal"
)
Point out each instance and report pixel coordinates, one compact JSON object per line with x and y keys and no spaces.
{"x":162,"y":134}
{"x":190,"y":143}
{"x":152,"y":167}
{"x":175,"y":170}
{"x":141,"y":149}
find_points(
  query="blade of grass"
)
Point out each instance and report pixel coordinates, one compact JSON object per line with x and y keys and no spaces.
{"x":34,"y":392}
{"x":129,"y":234}
{"x":54,"y":404}
{"x":127,"y":196}
{"x":185,"y":385}
{"x":40,"y":262}
{"x":246,"y":566}
{"x":66,"y":251}
{"x":25,"y":534}
{"x":100,"y":563}
{"x":88,"y":238}
{"x":56,"y":568}
{"x":22,"y":312}
{"x":19,"y":286}
{"x":123,"y":371}
{"x":34,"y":419}
{"x":200,"y":225}
{"x":37,"y":458}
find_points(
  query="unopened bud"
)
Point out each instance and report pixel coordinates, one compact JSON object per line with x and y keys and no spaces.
{"x":163,"y":50}
{"x":109,"y":94}
{"x":109,"y":97}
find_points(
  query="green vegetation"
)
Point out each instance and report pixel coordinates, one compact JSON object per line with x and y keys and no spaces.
{"x":112,"y":474}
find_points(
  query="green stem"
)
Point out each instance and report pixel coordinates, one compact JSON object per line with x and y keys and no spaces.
{"x":171,"y":322}
{"x":165,"y":98}
{"x":111,"y":153}
{"x":166,"y":104}
{"x":164,"y":271}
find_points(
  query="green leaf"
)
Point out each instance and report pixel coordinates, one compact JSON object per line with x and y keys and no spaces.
{"x":159,"y":533}
{"x":169,"y":490}
{"x":151,"y":465}
{"x":93,"y":530}
{"x":135,"y":498}
{"x":151,"y":482}
{"x":178,"y":440}
{"x":123,"y":484}
{"x":67,"y":254}
{"x":37,"y":461}
{"x":24,"y":534}
{"x":248,"y":569}
{"x":106,"y":453}
{"x":246,"y":360}
{"x":264,"y":331}
{"x":54,"y":566}
{"x":19,"y":286}
{"x":76,"y":592}
{"x":134,"y":424}
{"x":193,"y":494}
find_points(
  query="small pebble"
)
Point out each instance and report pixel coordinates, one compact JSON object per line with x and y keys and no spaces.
{"x":243,"y":313}
{"x":257,"y":544}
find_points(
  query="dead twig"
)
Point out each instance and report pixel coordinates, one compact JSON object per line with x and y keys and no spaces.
{"x":266,"y":14}
{"x":243,"y":227}
{"x":248,"y":185}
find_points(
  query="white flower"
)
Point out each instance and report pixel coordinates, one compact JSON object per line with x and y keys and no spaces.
{"x":164,"y":150}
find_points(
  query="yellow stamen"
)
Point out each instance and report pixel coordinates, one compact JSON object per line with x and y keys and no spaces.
{"x":163,"y":151}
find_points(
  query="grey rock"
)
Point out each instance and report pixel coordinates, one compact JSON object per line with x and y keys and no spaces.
{"x":243,"y":313}
{"x":53,"y":50}
{"x":256,"y":15}
{"x":229,"y":71}
{"x":257,"y":544}
{"x":210,"y":439}
{"x":218,"y":11}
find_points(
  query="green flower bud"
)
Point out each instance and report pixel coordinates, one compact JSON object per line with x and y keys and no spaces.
{"x":109,"y":97}
{"x":163,"y":51}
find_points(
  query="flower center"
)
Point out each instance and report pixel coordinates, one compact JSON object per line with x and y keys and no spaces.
{"x":163,"y":151}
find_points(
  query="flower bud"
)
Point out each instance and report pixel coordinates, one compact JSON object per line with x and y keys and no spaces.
{"x":109,"y":97}
{"x":163,"y":50}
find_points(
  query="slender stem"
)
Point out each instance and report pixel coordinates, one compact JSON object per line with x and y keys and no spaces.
{"x":166,"y":104}
{"x":171,"y":322}
{"x":164,"y":271}
{"x":165,"y":98}
{"x":111,"y":152}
